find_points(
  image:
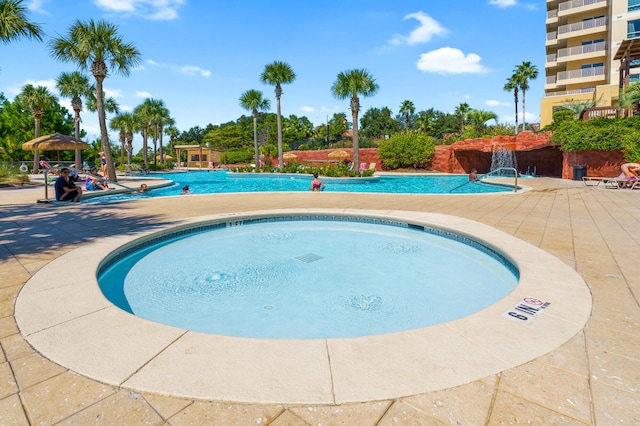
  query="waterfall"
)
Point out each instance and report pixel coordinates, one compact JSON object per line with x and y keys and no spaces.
{"x":503,"y":157}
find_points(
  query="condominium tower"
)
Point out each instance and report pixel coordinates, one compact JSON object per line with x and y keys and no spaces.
{"x":592,"y":49}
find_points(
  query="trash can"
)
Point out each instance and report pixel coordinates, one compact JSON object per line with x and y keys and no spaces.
{"x":579,"y":172}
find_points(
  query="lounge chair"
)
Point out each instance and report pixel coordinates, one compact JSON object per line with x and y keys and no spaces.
{"x":621,"y":183}
{"x":372,"y":166}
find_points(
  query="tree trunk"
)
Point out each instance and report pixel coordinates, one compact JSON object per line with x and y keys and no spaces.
{"x":524,"y":118}
{"x":36,"y":153}
{"x":104,"y":135}
{"x":255,"y":138}
{"x":356,"y":149}
{"x":145,"y":146}
{"x":78,"y":153}
{"x":279,"y":118}
{"x":515,"y":96}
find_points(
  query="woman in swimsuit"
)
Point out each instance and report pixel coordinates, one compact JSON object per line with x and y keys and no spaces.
{"x":316,"y":184}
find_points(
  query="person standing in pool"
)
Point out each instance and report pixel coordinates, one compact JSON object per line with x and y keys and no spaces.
{"x":473,"y":175}
{"x":185,"y":190}
{"x":316,"y":184}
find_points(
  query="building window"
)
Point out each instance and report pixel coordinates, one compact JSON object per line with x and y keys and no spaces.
{"x":634,"y":5}
{"x":634,"y":78}
{"x":633,"y":29}
{"x":195,"y":157}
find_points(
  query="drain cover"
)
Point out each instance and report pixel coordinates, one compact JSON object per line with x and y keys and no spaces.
{"x":309,"y":257}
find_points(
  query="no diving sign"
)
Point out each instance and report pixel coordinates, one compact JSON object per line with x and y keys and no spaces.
{"x":526,"y":309}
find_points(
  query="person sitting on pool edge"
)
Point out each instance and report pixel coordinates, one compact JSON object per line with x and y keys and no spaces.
{"x":95,"y":181}
{"x":65,"y":189}
{"x":473,"y":175}
{"x":316,"y":184}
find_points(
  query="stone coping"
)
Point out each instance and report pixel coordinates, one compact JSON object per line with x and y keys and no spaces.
{"x":70,"y":322}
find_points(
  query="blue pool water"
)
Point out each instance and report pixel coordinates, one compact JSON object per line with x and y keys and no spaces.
{"x":308,"y":279}
{"x":210,"y":182}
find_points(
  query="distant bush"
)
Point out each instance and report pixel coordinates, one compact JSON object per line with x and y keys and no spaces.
{"x":406,"y":150}
{"x":235,"y":157}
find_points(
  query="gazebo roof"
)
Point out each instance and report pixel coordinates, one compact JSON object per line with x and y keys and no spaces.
{"x":632,"y":46}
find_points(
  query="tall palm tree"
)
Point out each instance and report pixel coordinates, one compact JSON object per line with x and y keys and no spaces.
{"x":526,"y":71}
{"x":350,"y":84}
{"x":513,"y":84}
{"x":76,"y":86}
{"x":165,"y":121}
{"x":142,"y":114}
{"x":125,"y":123}
{"x":173,"y":132}
{"x":38,"y":100}
{"x":97,"y":46}
{"x":14,"y":23}
{"x":407,"y":109}
{"x":461,"y":111}
{"x":252,"y":100}
{"x":277,"y":74}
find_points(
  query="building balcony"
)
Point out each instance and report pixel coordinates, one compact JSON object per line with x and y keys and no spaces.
{"x":552,"y":16}
{"x":579,"y":76}
{"x":578,"y":6}
{"x":590,"y":26}
{"x":552,"y":38}
{"x":583,"y":91}
{"x":579,"y":53}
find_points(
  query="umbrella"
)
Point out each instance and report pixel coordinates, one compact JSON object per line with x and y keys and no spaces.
{"x":339,"y":154}
{"x":1,"y":149}
{"x":55,"y":142}
{"x":289,"y":156}
{"x":166,"y":158}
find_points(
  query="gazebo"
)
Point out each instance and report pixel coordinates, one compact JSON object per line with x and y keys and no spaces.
{"x":198,"y":156}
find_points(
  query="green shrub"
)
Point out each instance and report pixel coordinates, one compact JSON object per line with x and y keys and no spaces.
{"x":601,"y":134}
{"x":235,"y":157}
{"x":406,"y":150}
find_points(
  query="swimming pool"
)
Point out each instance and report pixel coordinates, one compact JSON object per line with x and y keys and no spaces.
{"x":308,"y":277}
{"x":213,"y":182}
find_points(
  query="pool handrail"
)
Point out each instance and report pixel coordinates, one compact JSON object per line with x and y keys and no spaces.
{"x":500,"y":170}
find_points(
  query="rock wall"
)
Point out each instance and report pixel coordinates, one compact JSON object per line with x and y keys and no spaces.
{"x":534,"y":153}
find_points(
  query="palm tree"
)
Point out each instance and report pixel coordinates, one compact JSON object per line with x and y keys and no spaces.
{"x":37,"y":99}
{"x":125,"y":123}
{"x":91,"y":45}
{"x":461,"y":111}
{"x":173,"y":133}
{"x":277,"y":74}
{"x":252,"y":100}
{"x":407,"y":109}
{"x":76,"y":86}
{"x":350,"y":84}
{"x":142,"y":114}
{"x":156,"y":112}
{"x":526,"y":71}
{"x":14,"y":23}
{"x":165,"y":120}
{"x":630,"y":97}
{"x":513,"y":84}
{"x":478,"y":118}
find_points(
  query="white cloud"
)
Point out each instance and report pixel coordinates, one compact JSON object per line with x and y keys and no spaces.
{"x":503,"y":3}
{"x":49,"y":84}
{"x":448,"y":60}
{"x":37,"y":6}
{"x":126,"y":108}
{"x":308,"y":109}
{"x":192,"y":70}
{"x":113,"y":93}
{"x":427,"y":29}
{"x":494,"y":103}
{"x":143,"y":95}
{"x":152,"y":62}
{"x":160,"y":10}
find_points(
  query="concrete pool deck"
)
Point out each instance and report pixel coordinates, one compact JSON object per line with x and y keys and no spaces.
{"x":591,"y":379}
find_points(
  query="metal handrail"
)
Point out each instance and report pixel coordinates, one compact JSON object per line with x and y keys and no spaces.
{"x":501,"y":169}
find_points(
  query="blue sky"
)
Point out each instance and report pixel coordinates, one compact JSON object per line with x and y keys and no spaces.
{"x":199,"y":56}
